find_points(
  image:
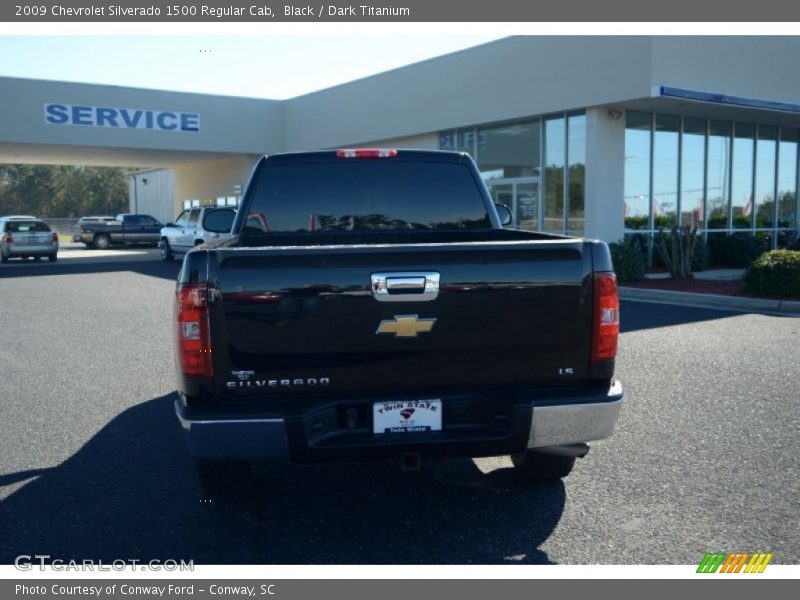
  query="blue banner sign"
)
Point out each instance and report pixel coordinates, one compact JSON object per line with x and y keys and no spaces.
{"x":120,"y":118}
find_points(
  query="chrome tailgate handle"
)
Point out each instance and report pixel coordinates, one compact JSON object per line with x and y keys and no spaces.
{"x":417,"y":286}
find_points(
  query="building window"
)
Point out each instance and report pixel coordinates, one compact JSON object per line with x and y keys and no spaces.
{"x":766,"y":167}
{"x":576,"y":159}
{"x":637,"y":169}
{"x":510,"y":158}
{"x":720,"y":176}
{"x":718,"y":181}
{"x":510,"y":150}
{"x":665,"y":171}
{"x":742,"y":175}
{"x":554,"y":157}
{"x":787,"y":180}
{"x":692,"y":190}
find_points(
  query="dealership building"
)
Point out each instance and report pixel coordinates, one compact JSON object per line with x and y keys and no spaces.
{"x":592,"y":136}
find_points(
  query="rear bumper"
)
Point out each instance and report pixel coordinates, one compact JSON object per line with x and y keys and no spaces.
{"x":543,"y":424}
{"x":37,"y":250}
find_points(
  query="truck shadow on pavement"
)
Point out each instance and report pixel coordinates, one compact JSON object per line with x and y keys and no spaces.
{"x":635,"y":315}
{"x":149,"y":265}
{"x":130,"y":493}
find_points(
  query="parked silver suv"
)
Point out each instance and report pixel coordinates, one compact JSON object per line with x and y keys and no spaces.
{"x":27,"y":238}
{"x":187,"y":231}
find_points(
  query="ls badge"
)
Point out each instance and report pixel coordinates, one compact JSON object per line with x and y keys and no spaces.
{"x":405,"y":326}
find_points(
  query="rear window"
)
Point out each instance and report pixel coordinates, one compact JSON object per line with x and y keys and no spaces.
{"x":366,"y":195}
{"x":26,"y":227}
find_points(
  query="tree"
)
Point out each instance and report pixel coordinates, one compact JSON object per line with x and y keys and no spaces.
{"x":51,"y":191}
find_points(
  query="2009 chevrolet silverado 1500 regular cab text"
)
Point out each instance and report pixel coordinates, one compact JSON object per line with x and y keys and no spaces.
{"x":370,"y":306}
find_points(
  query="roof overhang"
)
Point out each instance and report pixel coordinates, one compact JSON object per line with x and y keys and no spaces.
{"x":711,"y":105}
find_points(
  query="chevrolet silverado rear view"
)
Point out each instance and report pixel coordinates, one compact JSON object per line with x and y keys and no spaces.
{"x":370,"y":307}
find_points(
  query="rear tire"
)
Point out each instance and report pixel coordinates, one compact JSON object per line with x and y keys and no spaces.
{"x":538,"y":466}
{"x":52,"y":258}
{"x":102,"y":242}
{"x":166,"y":251}
{"x":221,"y":478}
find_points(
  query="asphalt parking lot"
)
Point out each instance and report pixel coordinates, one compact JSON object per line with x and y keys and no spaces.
{"x":92,"y":464}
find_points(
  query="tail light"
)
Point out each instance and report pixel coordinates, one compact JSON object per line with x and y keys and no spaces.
{"x":193,"y":336}
{"x":367,"y":153}
{"x":55,"y":237}
{"x":606,"y":317}
{"x":8,"y":238}
{"x":81,"y":230}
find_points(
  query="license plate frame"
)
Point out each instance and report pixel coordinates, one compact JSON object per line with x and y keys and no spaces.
{"x":407,"y":416}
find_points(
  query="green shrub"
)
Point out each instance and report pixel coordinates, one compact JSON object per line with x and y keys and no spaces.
{"x":628,"y":260}
{"x":774,"y":273}
{"x":701,"y":260}
{"x":738,"y":251}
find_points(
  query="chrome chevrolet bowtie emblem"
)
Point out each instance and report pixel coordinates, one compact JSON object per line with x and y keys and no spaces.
{"x":405,"y":326}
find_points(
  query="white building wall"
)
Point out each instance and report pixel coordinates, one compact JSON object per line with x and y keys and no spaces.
{"x":207,"y":180}
{"x":151,"y":193}
{"x":507,"y":79}
{"x":605,"y":174}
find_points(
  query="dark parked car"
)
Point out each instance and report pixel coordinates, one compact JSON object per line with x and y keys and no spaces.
{"x":76,"y":229}
{"x":125,"y":229}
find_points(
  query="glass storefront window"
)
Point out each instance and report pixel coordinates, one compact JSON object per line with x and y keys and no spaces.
{"x":719,"y":152}
{"x":510,"y":150}
{"x":787,"y":178}
{"x":637,"y":170}
{"x":466,"y":141}
{"x":447,"y":140}
{"x":576,"y":158}
{"x":742,"y":176}
{"x":693,"y":152}
{"x":555,"y":139}
{"x":665,"y":171}
{"x":766,"y":147}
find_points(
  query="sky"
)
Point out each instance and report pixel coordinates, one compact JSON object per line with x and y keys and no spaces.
{"x":266,"y":66}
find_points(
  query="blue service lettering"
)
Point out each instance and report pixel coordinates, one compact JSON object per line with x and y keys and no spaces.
{"x":56,"y":114}
{"x":82,"y":115}
{"x":162,"y":121}
{"x":120,"y":118}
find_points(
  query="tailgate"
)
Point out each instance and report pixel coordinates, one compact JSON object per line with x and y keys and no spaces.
{"x":292,"y":321}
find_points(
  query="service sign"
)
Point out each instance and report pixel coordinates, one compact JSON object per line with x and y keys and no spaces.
{"x":407,"y":416}
{"x":120,"y":118}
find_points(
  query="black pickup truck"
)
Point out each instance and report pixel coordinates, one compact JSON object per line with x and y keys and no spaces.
{"x":125,"y":229}
{"x":370,"y":306}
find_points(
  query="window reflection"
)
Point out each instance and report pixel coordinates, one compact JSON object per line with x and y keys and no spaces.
{"x":637,"y":170}
{"x":692,"y":162}
{"x":510,"y":150}
{"x":732,"y":175}
{"x":787,"y":178}
{"x":766,"y":148}
{"x":576,"y":155}
{"x":665,"y":171}
{"x":742,"y":176}
{"x":719,"y":150}
{"x":554,"y":174}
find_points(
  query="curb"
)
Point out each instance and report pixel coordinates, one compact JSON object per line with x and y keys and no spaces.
{"x":788,"y":307}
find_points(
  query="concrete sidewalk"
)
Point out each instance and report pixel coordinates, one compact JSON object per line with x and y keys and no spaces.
{"x":738,"y":303}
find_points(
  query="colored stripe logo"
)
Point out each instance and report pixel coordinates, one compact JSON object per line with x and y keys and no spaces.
{"x":736,"y":562}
